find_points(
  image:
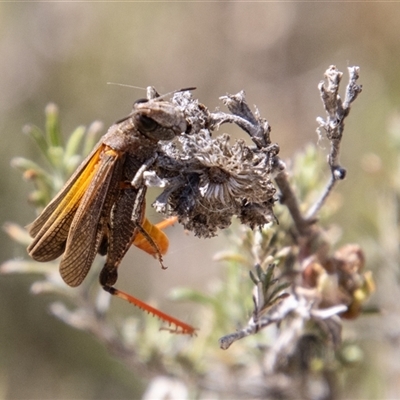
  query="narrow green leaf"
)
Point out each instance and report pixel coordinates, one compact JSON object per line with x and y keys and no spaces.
{"x":56,"y":156}
{"x":53,"y":131}
{"x":268,"y":275}
{"x":24,"y":267}
{"x":254,"y":278}
{"x":92,"y":137}
{"x":71,"y":164}
{"x":23,"y":164}
{"x":277,"y":290}
{"x":74,"y":142}
{"x":17,"y":233}
{"x":39,"y":198}
{"x":38,"y":137}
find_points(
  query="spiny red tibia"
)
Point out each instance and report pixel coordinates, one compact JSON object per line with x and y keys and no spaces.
{"x":181,"y":327}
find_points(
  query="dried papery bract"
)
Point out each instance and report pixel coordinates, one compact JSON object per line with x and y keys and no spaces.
{"x":211,"y":180}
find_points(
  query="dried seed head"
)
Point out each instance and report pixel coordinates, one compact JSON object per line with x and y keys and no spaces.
{"x":211,"y":180}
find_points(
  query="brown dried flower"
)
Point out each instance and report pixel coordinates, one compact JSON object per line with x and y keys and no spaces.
{"x":209,"y":180}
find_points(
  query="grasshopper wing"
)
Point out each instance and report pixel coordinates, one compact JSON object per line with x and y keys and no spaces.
{"x":91,"y":219}
{"x":51,"y":228}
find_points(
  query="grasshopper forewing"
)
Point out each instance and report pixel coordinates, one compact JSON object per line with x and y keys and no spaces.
{"x":101,"y":207}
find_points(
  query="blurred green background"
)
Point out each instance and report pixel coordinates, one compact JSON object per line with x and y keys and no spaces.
{"x":277,"y":52}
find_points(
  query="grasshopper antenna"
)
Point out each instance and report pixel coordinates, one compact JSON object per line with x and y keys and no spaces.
{"x":125,"y":85}
{"x":152,"y":93}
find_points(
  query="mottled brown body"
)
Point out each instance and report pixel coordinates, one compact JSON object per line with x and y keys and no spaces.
{"x":101,"y":207}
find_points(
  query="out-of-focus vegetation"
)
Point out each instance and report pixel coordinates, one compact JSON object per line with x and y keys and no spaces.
{"x":67,"y":52}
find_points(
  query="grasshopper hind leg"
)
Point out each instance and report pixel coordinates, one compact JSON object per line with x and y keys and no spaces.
{"x":108,"y":276}
{"x":126,"y":223}
{"x":174,"y":325}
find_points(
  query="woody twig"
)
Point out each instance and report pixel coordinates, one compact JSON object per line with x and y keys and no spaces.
{"x":333,"y":126}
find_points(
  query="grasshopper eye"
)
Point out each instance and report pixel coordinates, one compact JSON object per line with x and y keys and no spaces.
{"x":146,"y":124}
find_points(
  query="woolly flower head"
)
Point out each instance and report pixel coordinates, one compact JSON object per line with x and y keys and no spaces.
{"x":210,"y":181}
